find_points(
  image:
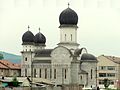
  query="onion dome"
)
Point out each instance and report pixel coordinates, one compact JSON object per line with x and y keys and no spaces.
{"x":28,"y":37}
{"x":68,"y":17}
{"x":88,"y":57}
{"x":39,"y":38}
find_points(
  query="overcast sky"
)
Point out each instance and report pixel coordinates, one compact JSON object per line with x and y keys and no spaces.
{"x":99,"y":23}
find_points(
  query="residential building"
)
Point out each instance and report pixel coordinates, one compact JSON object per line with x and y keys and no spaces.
{"x":9,"y":69}
{"x":108,"y":67}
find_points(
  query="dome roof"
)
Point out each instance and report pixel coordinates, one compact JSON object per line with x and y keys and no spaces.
{"x":40,"y":38}
{"x":28,"y":37}
{"x":87,"y":56}
{"x":69,"y":17}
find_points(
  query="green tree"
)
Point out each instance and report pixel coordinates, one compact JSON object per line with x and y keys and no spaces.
{"x":1,"y":56}
{"x":15,"y":82}
{"x":106,"y":83}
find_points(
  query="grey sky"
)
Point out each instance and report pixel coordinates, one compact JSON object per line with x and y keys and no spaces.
{"x":99,"y":23}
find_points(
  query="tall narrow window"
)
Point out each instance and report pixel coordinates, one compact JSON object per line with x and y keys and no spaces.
{"x":26,"y":47}
{"x":1,"y":70}
{"x":45,"y":73}
{"x":25,"y":72}
{"x":81,"y":77}
{"x":65,"y":37}
{"x":54,"y":73}
{"x":40,"y":73}
{"x":26,"y":59}
{"x":71,"y":37}
{"x":34,"y":72}
{"x":65,"y":73}
{"x":91,"y":73}
{"x":50,"y":73}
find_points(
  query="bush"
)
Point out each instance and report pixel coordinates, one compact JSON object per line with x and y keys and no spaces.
{"x":14,"y":82}
{"x":106,"y":83}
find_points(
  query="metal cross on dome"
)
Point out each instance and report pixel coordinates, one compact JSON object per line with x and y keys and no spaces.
{"x":28,"y":27}
{"x":68,"y":5}
{"x":39,"y":29}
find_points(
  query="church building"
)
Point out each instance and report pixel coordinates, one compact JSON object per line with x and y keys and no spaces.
{"x":65,"y":64}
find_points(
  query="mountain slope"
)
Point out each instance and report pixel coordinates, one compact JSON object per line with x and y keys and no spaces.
{"x":11,"y":57}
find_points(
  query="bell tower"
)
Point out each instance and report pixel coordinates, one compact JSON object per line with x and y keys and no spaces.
{"x":68,"y":28}
{"x":27,"y":53}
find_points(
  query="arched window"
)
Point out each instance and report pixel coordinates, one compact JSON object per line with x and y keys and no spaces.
{"x":34,"y":72}
{"x":91,"y":73}
{"x":25,"y":72}
{"x":65,"y":73}
{"x":81,"y":77}
{"x":25,"y":58}
{"x":45,"y":73}
{"x":40,"y":73}
{"x":26,"y":48}
{"x":71,"y":37}
{"x":30,"y":48}
{"x":50,"y":73}
{"x":54,"y":73}
{"x":65,"y":37}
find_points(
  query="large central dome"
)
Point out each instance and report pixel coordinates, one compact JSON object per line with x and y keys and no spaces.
{"x":68,"y":17}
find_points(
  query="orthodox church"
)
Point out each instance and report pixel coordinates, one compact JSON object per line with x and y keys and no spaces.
{"x":65,"y":64}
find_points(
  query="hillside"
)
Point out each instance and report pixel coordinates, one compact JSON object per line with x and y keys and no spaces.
{"x":11,"y":57}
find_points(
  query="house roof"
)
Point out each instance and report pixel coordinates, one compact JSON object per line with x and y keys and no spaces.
{"x":3,"y":66}
{"x":7,"y":64}
{"x":113,"y":58}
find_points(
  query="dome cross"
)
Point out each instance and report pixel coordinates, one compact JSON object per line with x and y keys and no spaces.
{"x":68,"y":5}
{"x":28,"y":27}
{"x":39,"y":29}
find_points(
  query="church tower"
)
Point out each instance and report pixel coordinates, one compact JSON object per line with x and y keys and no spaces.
{"x":27,"y":53}
{"x":68,"y":28}
{"x":31,"y":44}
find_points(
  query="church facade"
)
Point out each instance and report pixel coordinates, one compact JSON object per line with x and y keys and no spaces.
{"x":65,"y":64}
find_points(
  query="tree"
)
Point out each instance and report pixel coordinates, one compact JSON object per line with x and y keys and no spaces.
{"x":106,"y":83}
{"x":1,"y":56}
{"x":15,"y":82}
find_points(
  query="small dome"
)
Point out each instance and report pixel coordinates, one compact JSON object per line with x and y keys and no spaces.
{"x":40,"y":38}
{"x":69,"y":17}
{"x":28,"y":37}
{"x":87,"y":56}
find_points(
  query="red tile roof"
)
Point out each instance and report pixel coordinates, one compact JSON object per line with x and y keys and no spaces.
{"x":3,"y":66}
{"x":10,"y":65}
